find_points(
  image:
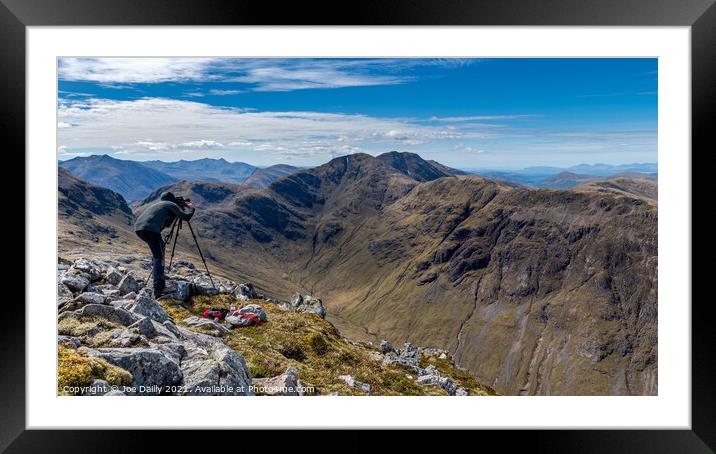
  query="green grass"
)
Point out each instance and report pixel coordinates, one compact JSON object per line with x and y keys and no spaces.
{"x":77,"y":370}
{"x":315,"y":348}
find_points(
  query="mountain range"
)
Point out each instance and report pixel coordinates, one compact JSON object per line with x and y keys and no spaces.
{"x":204,"y":170}
{"x":564,"y":178}
{"x":131,"y":179}
{"x":534,"y":291}
{"x":135,"y":180}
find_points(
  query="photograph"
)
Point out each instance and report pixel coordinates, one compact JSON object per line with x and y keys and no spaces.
{"x":376,"y":226}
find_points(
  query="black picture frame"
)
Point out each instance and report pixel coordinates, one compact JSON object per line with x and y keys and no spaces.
{"x":700,"y":15}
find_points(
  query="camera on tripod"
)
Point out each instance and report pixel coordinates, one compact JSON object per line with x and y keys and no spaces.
{"x":183,"y":202}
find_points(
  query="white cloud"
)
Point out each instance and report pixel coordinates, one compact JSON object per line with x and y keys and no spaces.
{"x":216,"y":92}
{"x":255,"y":74}
{"x":461,"y":147}
{"x":132,"y":70}
{"x":153,"y":126}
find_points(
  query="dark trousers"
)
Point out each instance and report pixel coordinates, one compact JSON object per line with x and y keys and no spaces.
{"x":156,"y":245}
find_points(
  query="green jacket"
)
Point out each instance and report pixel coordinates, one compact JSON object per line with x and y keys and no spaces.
{"x":160,"y":215}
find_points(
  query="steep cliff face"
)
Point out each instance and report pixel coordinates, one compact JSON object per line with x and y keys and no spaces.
{"x":535,"y":291}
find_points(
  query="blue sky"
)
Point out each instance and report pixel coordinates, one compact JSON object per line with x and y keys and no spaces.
{"x":466,"y":113}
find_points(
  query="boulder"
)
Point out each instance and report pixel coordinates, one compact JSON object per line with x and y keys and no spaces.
{"x":63,"y":291}
{"x":113,"y":276}
{"x":202,"y":286}
{"x":111,"y":294}
{"x":393,"y":358}
{"x":409,"y":351}
{"x":91,"y":269}
{"x":145,"y":327}
{"x":286,"y":384}
{"x":206,"y":324}
{"x":151,"y":369}
{"x":91,"y":298}
{"x":435,"y":379}
{"x":352,"y":382}
{"x":212,"y":368}
{"x":75,"y":281}
{"x":308,"y":303}
{"x":461,"y":392}
{"x":149,"y":307}
{"x":172,"y":328}
{"x":111,"y":313}
{"x":245,"y":292}
{"x":183,"y":290}
{"x":129,"y":284}
{"x":386,"y":347}
{"x":122,"y":337}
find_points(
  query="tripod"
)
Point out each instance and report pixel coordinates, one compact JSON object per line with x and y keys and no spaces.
{"x":175,"y":234}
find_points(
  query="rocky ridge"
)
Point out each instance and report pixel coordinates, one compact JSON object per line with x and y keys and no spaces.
{"x":115,"y":339}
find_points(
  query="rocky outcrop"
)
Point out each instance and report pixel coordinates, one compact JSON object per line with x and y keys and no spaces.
{"x":286,"y":384}
{"x":409,"y":357}
{"x":138,"y":336}
{"x":305,"y":303}
{"x":134,"y":333}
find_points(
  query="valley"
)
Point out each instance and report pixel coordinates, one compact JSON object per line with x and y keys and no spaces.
{"x":534,"y":291}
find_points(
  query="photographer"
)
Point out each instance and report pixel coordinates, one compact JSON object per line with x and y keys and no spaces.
{"x":149,"y":225}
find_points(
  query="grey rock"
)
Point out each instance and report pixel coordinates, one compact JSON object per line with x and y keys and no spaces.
{"x":392,"y":358}
{"x":409,"y":351}
{"x":172,"y":328}
{"x":151,"y":369}
{"x":91,"y":298}
{"x":202,"y":286}
{"x":437,"y":380}
{"x":245,"y":292}
{"x":145,"y":327}
{"x":109,"y":312}
{"x":212,"y":368}
{"x":129,"y":296}
{"x":308,"y":303}
{"x":68,"y":341}
{"x":183,"y":290}
{"x":113,"y":276}
{"x":91,"y":269}
{"x":205,"y":323}
{"x":129,"y":284}
{"x":286,"y":384}
{"x":352,"y":382}
{"x":461,"y":392}
{"x":122,"y":303}
{"x":74,"y":281}
{"x":386,"y":347}
{"x":63,"y":291}
{"x":149,"y":307}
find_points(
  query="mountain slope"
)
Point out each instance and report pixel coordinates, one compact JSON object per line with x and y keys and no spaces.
{"x":260,"y":178}
{"x":131,"y":179}
{"x":535,"y":291}
{"x":88,"y":212}
{"x":217,"y":170}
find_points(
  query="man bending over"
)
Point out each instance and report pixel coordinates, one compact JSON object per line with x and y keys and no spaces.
{"x":149,"y":225}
